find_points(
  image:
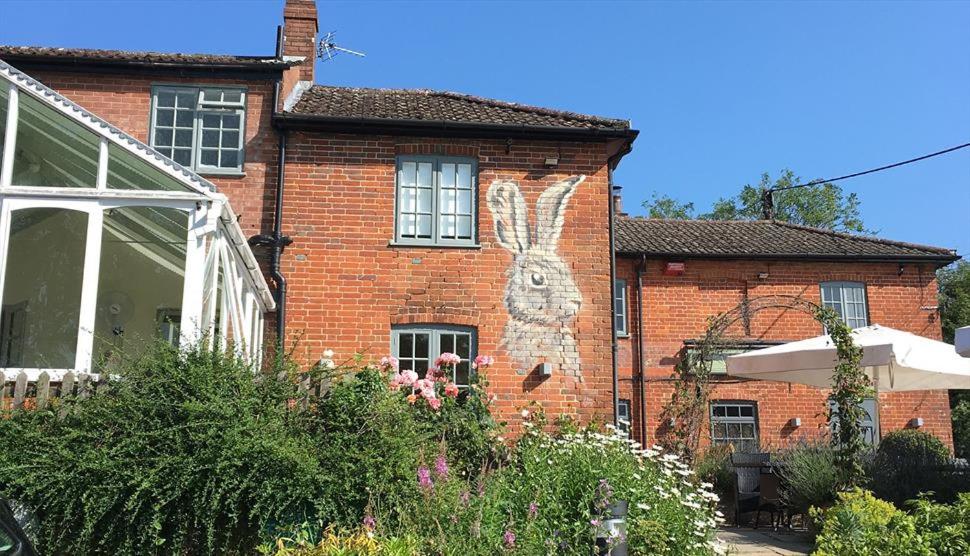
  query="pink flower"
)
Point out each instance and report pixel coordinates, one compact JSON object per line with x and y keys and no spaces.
{"x":408,"y":378}
{"x":389,"y":363}
{"x":441,"y":465}
{"x":451,"y":390}
{"x":395,"y":383}
{"x":425,"y":387}
{"x":424,"y":477}
{"x":435,"y":403}
{"x":533,"y":509}
{"x":369,"y":522}
{"x":449,"y":359}
{"x":509,"y":538}
{"x":483,"y":361}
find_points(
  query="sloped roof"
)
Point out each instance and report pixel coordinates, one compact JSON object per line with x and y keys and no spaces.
{"x":764,"y":239}
{"x":136,"y":58}
{"x":422,"y":105}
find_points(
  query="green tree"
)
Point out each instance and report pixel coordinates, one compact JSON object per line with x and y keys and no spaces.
{"x":954,"y":299}
{"x":823,"y":205}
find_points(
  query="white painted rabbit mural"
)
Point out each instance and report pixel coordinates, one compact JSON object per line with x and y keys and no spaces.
{"x":541,"y":297}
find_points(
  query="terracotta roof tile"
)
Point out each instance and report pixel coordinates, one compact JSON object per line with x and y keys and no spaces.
{"x":759,"y":239}
{"x":440,"y":106}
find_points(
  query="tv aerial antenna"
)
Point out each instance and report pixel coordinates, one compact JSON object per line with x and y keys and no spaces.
{"x":327,"y":49}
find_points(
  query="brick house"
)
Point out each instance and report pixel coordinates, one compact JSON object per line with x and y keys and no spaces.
{"x":416,"y":222}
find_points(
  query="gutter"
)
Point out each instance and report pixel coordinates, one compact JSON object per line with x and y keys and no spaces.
{"x":611,"y":165}
{"x":944,"y":259}
{"x":433,"y":128}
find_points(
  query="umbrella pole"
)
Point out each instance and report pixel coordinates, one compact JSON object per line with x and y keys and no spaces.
{"x":878,"y":431}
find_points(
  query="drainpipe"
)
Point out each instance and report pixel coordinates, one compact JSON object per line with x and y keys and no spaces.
{"x":277,"y":241}
{"x":613,"y":343}
{"x":640,"y":351}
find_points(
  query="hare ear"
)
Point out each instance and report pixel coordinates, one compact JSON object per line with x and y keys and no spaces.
{"x":510,"y":215}
{"x":551,"y":211}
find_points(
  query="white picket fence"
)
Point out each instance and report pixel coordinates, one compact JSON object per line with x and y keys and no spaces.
{"x":24,"y":391}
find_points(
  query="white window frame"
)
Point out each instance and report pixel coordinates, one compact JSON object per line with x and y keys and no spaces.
{"x":843,"y":301}
{"x":621,"y":308}
{"x":203,"y":107}
{"x":434,"y":342}
{"x":740,"y":420}
{"x":435,"y":240}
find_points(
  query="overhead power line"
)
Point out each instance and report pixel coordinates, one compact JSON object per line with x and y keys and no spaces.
{"x":767,"y":198}
{"x":874,"y":170}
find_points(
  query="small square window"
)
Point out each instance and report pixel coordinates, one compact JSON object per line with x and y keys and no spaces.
{"x":416,"y":347}
{"x":848,"y":300}
{"x":735,"y":423}
{"x":201,"y":129}
{"x":620,"y":308}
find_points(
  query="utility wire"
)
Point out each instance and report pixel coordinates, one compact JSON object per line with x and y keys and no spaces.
{"x":881,"y":168}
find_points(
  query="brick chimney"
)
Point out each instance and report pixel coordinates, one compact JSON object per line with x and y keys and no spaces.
{"x":299,"y":39}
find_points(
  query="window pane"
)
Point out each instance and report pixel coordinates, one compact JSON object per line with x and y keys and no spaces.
{"x":462,"y":373}
{"x":184,"y":118}
{"x":53,"y":150}
{"x":186,"y":98}
{"x":424,"y":226}
{"x":448,"y":226}
{"x":165,"y":98}
{"x":229,"y":159}
{"x":183,"y":156}
{"x":210,"y":138}
{"x":465,"y":176}
{"x":424,"y":200}
{"x":42,"y":291}
{"x":164,"y":137}
{"x":447,"y":343}
{"x":464,"y":227}
{"x":447,"y":201}
{"x":464,"y":202}
{"x":447,"y":175}
{"x":422,"y":343}
{"x":183,"y":137}
{"x":406,"y":345}
{"x":424,"y":174}
{"x":464,"y":346}
{"x":127,"y":171}
{"x":165,"y":118}
{"x":140,"y":280}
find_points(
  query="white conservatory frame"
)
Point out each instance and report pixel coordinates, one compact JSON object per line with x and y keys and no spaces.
{"x":215,"y":240}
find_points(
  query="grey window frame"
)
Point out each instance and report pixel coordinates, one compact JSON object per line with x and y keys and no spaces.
{"x":434,"y":332}
{"x":753,"y":420}
{"x":436,"y":240}
{"x":842,"y":286}
{"x":621,"y":299}
{"x":869,"y":426}
{"x":624,"y":422}
{"x":202,"y":107}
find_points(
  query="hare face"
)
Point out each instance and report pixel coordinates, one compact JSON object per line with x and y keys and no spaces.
{"x":540,"y":287}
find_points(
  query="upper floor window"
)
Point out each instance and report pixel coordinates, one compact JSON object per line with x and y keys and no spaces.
{"x":848,"y":300}
{"x":735,"y":423}
{"x":620,"y":308}
{"x":417,"y":346}
{"x":201,"y":128}
{"x":436,"y":200}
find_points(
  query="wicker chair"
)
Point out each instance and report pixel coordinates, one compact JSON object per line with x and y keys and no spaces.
{"x":747,"y":482}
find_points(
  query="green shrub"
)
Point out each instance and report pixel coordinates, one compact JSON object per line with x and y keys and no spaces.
{"x":861,"y":525}
{"x":907,"y":463}
{"x":714,"y":466}
{"x":810,"y":474}
{"x":186,"y":453}
{"x":945,"y":527}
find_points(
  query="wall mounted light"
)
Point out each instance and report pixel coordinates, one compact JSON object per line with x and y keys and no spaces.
{"x":916,"y":422}
{"x":795,"y":422}
{"x":900,"y":270}
{"x":545,"y":369}
{"x":552,"y":161}
{"x":762,"y":276}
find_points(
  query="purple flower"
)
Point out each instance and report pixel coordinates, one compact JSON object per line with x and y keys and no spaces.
{"x":424,"y":477}
{"x":465,"y":496}
{"x":509,"y":538}
{"x":369,"y":522}
{"x":441,"y":466}
{"x":533,"y":509}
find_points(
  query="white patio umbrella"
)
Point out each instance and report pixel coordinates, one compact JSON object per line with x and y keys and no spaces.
{"x":896,"y":361}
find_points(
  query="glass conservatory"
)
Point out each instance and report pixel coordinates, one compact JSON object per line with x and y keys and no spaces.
{"x":106,"y":245}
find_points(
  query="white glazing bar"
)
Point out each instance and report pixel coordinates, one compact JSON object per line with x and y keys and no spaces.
{"x":89,"y":289}
{"x":194,"y":282}
{"x":103,"y":165}
{"x":9,"y":141}
{"x":4,"y":239}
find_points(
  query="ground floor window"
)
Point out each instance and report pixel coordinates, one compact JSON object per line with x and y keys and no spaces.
{"x":417,"y":346}
{"x":735,"y":423}
{"x":868,"y":423}
{"x":623,"y":416}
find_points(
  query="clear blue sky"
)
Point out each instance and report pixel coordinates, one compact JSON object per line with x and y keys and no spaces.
{"x":720,"y":91}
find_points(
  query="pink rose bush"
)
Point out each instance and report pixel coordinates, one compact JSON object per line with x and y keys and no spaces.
{"x":436,"y":384}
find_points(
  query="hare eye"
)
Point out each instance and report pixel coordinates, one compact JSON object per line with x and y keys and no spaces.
{"x":538,"y":279}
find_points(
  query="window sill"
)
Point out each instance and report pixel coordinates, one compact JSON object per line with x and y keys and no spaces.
{"x":207,"y":173}
{"x":396,"y":244}
{"x":622,"y":336}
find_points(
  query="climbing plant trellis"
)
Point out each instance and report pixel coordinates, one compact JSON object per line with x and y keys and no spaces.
{"x":106,"y":245}
{"x":686,"y":412}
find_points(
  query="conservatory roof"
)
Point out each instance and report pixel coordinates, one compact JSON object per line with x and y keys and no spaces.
{"x":195,"y":186}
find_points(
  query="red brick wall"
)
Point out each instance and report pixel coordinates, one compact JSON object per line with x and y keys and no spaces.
{"x":347,"y":286}
{"x":675,"y":308}
{"x":125,"y":102}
